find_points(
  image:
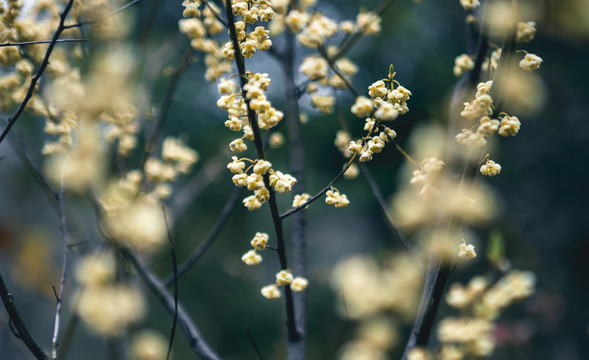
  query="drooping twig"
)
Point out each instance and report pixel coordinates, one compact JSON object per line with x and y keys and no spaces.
{"x":88,"y":22}
{"x":23,"y":43}
{"x":39,"y":72}
{"x":175,"y":273}
{"x":20,"y":328}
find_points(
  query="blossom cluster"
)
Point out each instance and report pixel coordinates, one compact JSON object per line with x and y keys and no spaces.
{"x":480,"y":301}
{"x":108,"y":308}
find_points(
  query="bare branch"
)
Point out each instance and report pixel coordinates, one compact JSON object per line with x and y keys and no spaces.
{"x":21,"y":329}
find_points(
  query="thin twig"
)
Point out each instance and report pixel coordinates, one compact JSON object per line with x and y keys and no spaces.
{"x":88,"y":22}
{"x":211,"y":236}
{"x":39,"y":72}
{"x":255,"y":346}
{"x":175,"y":273}
{"x":165,"y":105}
{"x":19,"y":326}
{"x":191,"y":332}
{"x":193,"y":335}
{"x":22,"y":43}
{"x":63,"y":269}
{"x":383,"y":205}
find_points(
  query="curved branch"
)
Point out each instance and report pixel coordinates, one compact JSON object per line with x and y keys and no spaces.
{"x":21,"y":329}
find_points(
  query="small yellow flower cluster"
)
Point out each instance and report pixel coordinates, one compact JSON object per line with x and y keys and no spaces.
{"x":470,"y":4}
{"x":336,"y":199}
{"x":462,"y":63}
{"x":376,"y":298}
{"x":491,"y":63}
{"x":300,"y":200}
{"x":490,"y":168}
{"x":107,"y":308}
{"x":481,"y":105}
{"x":427,"y":175}
{"x":525,"y":31}
{"x":259,"y":242}
{"x":123,"y":126}
{"x":251,"y":11}
{"x":148,"y":345}
{"x":284,"y":278}
{"x":389,"y":103}
{"x":471,"y":335}
{"x":199,"y":27}
{"x":281,"y":183}
{"x":466,"y":251}
{"x":530,"y":62}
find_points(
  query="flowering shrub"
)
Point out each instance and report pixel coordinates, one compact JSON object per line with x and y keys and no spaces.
{"x":108,"y":140}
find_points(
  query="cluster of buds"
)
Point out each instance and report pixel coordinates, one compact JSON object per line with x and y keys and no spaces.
{"x":258,"y":243}
{"x":284,"y":278}
{"x":199,"y":27}
{"x":281,"y":183}
{"x":336,"y":199}
{"x":251,"y":11}
{"x":427,"y":175}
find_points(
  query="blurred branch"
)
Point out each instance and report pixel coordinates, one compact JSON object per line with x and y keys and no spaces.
{"x":196,"y":185}
{"x":22,"y":43}
{"x":391,"y":222}
{"x":297,"y":164}
{"x":21,"y":330}
{"x":212,"y":235}
{"x":39,"y":72}
{"x":193,"y":335}
{"x":351,"y":40}
{"x":165,"y":105}
{"x":88,"y":22}
{"x":175,"y":273}
{"x":191,"y":332}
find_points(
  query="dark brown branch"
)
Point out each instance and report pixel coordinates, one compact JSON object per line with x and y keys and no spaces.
{"x":39,"y":72}
{"x":88,"y":22}
{"x":22,"y":43}
{"x":276,"y":219}
{"x":19,"y":326}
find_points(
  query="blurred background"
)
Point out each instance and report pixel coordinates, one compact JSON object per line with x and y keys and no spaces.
{"x":543,"y":190}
